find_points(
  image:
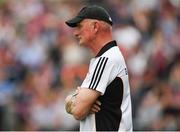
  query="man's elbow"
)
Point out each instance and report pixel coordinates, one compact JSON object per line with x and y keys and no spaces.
{"x":79,"y":115}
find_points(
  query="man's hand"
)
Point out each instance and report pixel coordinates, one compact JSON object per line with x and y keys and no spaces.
{"x":68,"y":104}
{"x":70,"y":101}
{"x":96,"y":107}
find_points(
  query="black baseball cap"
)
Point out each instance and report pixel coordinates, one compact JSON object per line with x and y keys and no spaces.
{"x":90,"y":12}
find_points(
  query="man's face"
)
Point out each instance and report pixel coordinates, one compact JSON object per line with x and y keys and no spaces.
{"x":84,"y":32}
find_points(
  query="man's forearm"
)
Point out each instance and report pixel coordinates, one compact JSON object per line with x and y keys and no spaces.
{"x":78,"y":104}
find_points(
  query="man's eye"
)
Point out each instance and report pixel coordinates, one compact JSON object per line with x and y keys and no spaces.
{"x":80,"y":26}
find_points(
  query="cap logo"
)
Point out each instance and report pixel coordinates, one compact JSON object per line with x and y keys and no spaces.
{"x":110,"y":19}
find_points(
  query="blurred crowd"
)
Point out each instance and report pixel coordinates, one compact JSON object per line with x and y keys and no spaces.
{"x":41,"y":62}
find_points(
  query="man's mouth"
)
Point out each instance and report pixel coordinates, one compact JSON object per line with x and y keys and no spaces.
{"x":78,"y":38}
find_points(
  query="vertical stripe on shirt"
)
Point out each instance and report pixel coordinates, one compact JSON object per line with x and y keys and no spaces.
{"x":98,"y":72}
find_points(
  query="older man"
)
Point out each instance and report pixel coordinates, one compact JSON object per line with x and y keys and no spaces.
{"x":103,"y":101}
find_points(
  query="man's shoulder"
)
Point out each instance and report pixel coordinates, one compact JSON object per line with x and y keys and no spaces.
{"x":114,"y":55}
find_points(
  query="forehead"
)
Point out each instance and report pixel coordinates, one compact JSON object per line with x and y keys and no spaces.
{"x":86,"y":21}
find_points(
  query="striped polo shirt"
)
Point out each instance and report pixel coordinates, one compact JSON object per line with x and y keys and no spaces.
{"x":108,"y":75}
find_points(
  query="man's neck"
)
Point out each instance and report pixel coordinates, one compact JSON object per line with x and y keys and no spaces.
{"x":99,"y":43}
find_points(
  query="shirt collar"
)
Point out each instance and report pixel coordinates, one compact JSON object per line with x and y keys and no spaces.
{"x":106,"y":47}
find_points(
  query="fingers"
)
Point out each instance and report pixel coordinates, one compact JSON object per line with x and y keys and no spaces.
{"x":98,"y":102}
{"x":96,"y":107}
{"x":94,"y":110}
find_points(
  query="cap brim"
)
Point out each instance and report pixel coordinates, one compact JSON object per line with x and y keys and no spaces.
{"x":73,"y":22}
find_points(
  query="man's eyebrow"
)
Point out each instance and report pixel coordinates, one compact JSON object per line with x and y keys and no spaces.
{"x":78,"y":24}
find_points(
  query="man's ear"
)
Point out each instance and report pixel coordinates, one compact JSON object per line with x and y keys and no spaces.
{"x":96,"y":26}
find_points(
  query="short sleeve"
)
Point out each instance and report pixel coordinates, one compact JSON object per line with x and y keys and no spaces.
{"x":102,"y":71}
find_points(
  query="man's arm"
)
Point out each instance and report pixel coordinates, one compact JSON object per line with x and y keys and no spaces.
{"x":69,"y":102}
{"x":80,"y":104}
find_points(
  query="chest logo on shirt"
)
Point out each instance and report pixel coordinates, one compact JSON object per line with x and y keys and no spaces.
{"x":126,"y":71}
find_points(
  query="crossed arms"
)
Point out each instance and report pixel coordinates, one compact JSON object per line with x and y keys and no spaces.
{"x":82,"y":102}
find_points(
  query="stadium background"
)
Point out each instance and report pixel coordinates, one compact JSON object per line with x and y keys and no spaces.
{"x":41,"y":62}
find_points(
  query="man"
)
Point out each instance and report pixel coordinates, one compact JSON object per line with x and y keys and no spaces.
{"x":102,"y":103}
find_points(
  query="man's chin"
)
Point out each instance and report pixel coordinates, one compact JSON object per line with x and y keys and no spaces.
{"x":81,"y":43}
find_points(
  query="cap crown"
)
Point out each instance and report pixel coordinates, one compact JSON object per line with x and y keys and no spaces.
{"x":95,"y":12}
{"x":91,"y":12}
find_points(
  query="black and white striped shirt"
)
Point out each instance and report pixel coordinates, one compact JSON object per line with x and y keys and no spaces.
{"x":108,"y":75}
